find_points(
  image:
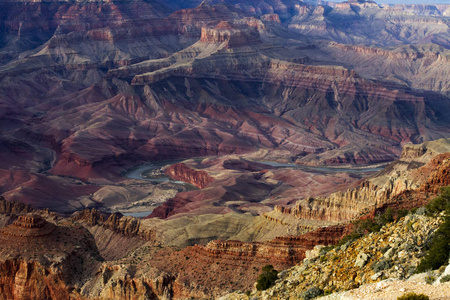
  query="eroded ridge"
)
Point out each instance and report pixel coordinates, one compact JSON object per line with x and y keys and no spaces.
{"x":29,"y":226}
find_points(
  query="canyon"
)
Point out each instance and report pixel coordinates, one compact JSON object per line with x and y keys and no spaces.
{"x":262,"y":129}
{"x":127,"y":256}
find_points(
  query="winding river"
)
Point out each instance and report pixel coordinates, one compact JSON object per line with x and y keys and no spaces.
{"x":151,"y":172}
{"x":142,"y":171}
{"x":322,"y":169}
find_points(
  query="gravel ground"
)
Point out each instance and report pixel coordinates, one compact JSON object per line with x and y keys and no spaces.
{"x":391,"y":289}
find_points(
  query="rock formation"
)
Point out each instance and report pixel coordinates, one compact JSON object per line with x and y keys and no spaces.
{"x":421,"y":168}
{"x":31,"y":226}
{"x":110,"y":85}
{"x":282,"y":251}
{"x":39,"y":259}
{"x":15,"y":208}
{"x":127,"y":226}
{"x":394,"y":252}
{"x":90,"y":89}
{"x":180,"y":171}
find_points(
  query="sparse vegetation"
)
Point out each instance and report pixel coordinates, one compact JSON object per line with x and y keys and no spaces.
{"x":413,"y":296}
{"x":312,"y":293}
{"x":440,"y":203}
{"x":267,"y":278}
{"x":381,"y":265}
{"x":363,"y":227}
{"x":439,"y":249}
{"x":445,"y":278}
{"x":430,"y":279}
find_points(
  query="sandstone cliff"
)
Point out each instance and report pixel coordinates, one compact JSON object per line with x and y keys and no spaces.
{"x":29,"y":274}
{"x":116,"y":235}
{"x":281,"y":251}
{"x":127,"y":226}
{"x":394,"y":252}
{"x":183,"y":173}
{"x":421,"y":168}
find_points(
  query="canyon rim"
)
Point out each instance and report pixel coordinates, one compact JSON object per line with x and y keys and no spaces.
{"x":171,"y":149}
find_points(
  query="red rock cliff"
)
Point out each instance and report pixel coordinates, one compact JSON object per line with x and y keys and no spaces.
{"x":183,"y":173}
{"x":285,"y":251}
{"x":124,"y":225}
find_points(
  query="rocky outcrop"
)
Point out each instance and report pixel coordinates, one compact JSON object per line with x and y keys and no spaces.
{"x":232,"y":35}
{"x":440,"y":176}
{"x":124,"y":225}
{"x":13,"y":207}
{"x":26,"y":280}
{"x":31,"y":226}
{"x":282,"y":251}
{"x":121,"y":282}
{"x":394,"y":252}
{"x":40,"y":260}
{"x":169,"y":207}
{"x":181,"y":172}
{"x":421,"y":169}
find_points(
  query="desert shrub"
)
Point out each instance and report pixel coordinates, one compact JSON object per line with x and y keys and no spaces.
{"x":312,"y":293}
{"x":413,"y":296}
{"x":381,"y":265}
{"x":439,"y":249}
{"x":438,"y":253}
{"x":401,"y":213}
{"x":440,"y":203}
{"x":267,"y":278}
{"x":326,"y":249}
{"x":384,"y":218}
{"x":430,"y":279}
{"x":349,"y":238}
{"x":374,"y":225}
{"x":445,"y":278}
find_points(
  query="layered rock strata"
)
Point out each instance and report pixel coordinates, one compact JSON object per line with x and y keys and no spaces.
{"x":421,"y":169}
{"x":39,"y":259}
{"x":394,"y":252}
{"x":284,"y":251}
{"x":29,"y":226}
{"x":124,"y":225}
{"x":183,"y":173}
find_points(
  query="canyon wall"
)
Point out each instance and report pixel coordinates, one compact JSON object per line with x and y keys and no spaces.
{"x":421,"y":169}
{"x":281,"y":251}
{"x":182,"y":172}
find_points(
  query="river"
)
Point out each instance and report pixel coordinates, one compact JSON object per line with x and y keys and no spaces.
{"x":323,"y":169}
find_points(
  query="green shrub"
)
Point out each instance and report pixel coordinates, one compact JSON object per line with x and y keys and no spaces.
{"x":430,"y":279}
{"x":413,"y":296}
{"x":349,"y":238}
{"x":439,"y":250}
{"x":326,"y":249}
{"x":267,"y":278}
{"x":312,"y":293}
{"x":445,"y":278}
{"x":381,"y":265}
{"x":384,"y":218}
{"x":440,"y":203}
{"x":401,"y":213}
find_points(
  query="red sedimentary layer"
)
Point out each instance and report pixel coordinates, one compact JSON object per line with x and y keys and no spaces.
{"x":396,"y":193}
{"x":13,"y":207}
{"x":26,"y":280}
{"x":116,"y":222}
{"x":410,"y":199}
{"x":183,"y":173}
{"x":286,"y":250}
{"x":167,"y":209}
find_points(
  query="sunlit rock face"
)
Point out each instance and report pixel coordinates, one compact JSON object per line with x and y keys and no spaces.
{"x":91,"y":89}
{"x":95,"y":87}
